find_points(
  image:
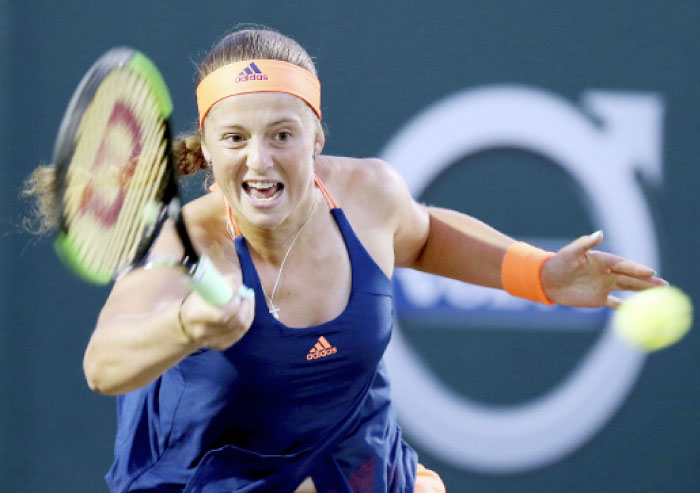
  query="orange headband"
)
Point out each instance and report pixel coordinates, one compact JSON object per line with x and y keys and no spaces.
{"x":258,"y":76}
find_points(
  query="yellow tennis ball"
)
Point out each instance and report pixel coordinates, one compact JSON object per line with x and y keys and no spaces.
{"x":654,"y":318}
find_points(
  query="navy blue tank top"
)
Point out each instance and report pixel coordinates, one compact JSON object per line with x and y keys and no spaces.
{"x":279,"y":405}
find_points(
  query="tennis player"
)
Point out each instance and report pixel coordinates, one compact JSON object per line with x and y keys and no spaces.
{"x":284,"y":388}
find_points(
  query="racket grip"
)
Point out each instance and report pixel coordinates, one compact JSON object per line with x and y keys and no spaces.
{"x":209,"y":283}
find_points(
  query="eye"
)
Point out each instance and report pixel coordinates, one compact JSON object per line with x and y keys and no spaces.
{"x":233,"y":138}
{"x":283,"y":136}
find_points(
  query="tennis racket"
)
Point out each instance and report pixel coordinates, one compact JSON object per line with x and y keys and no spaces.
{"x":116,"y":182}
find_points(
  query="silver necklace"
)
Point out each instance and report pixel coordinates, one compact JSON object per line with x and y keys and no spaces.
{"x":274,"y":310}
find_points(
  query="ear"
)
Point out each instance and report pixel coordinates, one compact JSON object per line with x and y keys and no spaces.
{"x":319,"y":142}
{"x":205,"y":151}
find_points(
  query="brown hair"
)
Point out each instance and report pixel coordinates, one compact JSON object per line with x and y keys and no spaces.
{"x":39,"y":187}
{"x":245,"y":44}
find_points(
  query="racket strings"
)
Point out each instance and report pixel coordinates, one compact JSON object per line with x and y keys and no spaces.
{"x":118,"y":165}
{"x":144,"y":181}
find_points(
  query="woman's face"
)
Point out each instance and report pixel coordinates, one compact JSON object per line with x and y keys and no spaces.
{"x":261,"y":146}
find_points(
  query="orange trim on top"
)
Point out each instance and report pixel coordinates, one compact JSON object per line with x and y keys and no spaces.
{"x":251,"y":76}
{"x":521,"y":272}
{"x":332,"y":204}
{"x":231,"y":221}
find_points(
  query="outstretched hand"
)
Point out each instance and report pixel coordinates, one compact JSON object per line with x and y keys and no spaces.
{"x":580,"y":276}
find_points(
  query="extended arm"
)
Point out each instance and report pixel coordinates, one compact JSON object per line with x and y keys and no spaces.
{"x":462,"y":247}
{"x":150,"y":322}
{"x":455,"y":245}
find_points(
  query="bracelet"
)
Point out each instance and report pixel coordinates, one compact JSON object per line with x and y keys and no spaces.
{"x":179,"y":318}
{"x":521,"y":272}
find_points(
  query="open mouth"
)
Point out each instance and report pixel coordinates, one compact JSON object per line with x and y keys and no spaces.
{"x":263,"y":190}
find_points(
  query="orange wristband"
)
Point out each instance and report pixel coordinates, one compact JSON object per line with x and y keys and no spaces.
{"x":521,"y":272}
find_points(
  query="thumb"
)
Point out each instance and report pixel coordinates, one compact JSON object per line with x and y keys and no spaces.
{"x":613,"y":302}
{"x":581,"y":245}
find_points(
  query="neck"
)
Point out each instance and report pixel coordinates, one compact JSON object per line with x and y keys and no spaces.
{"x":270,"y":245}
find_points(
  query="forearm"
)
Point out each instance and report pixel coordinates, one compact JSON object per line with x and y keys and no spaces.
{"x":462,"y":247}
{"x":129,"y":351}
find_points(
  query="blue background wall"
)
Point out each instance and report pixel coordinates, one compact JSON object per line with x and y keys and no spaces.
{"x":380,"y":63}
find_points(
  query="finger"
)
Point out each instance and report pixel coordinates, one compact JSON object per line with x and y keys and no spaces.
{"x":613,"y":302}
{"x":243,"y":309}
{"x":629,"y":283}
{"x":581,"y":245}
{"x":238,"y":324}
{"x":247,"y":312}
{"x":657,"y":281}
{"x":621,"y":265}
{"x":245,"y":292}
{"x":245,"y":297}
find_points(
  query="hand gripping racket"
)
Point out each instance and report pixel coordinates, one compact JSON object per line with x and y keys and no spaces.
{"x":115,"y":178}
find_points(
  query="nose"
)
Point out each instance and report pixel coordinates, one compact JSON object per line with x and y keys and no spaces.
{"x":258,"y":157}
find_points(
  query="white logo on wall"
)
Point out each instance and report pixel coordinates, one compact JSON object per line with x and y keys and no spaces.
{"x":602,"y":146}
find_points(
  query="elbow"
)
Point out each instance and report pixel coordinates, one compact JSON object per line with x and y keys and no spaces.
{"x":97,"y":377}
{"x":94,"y":382}
{"x":421,"y":258}
{"x":96,"y":387}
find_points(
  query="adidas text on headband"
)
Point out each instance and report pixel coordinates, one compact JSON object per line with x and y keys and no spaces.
{"x":258,"y":76}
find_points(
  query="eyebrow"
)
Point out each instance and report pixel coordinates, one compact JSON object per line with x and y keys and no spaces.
{"x":282,"y":121}
{"x":277,"y":122}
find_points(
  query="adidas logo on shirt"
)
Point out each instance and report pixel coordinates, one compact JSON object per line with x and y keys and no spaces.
{"x":251,"y":72}
{"x":321,"y":348}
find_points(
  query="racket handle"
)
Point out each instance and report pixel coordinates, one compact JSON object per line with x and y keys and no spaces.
{"x":209,"y":283}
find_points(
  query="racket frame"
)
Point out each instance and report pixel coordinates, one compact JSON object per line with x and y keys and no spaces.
{"x":201,"y":273}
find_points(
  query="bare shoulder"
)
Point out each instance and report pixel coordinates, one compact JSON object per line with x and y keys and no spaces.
{"x":350,"y":171}
{"x":205,"y":214}
{"x":363,"y":183}
{"x":379,"y":206}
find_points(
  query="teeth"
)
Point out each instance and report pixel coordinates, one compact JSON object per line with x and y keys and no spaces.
{"x":261,"y":185}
